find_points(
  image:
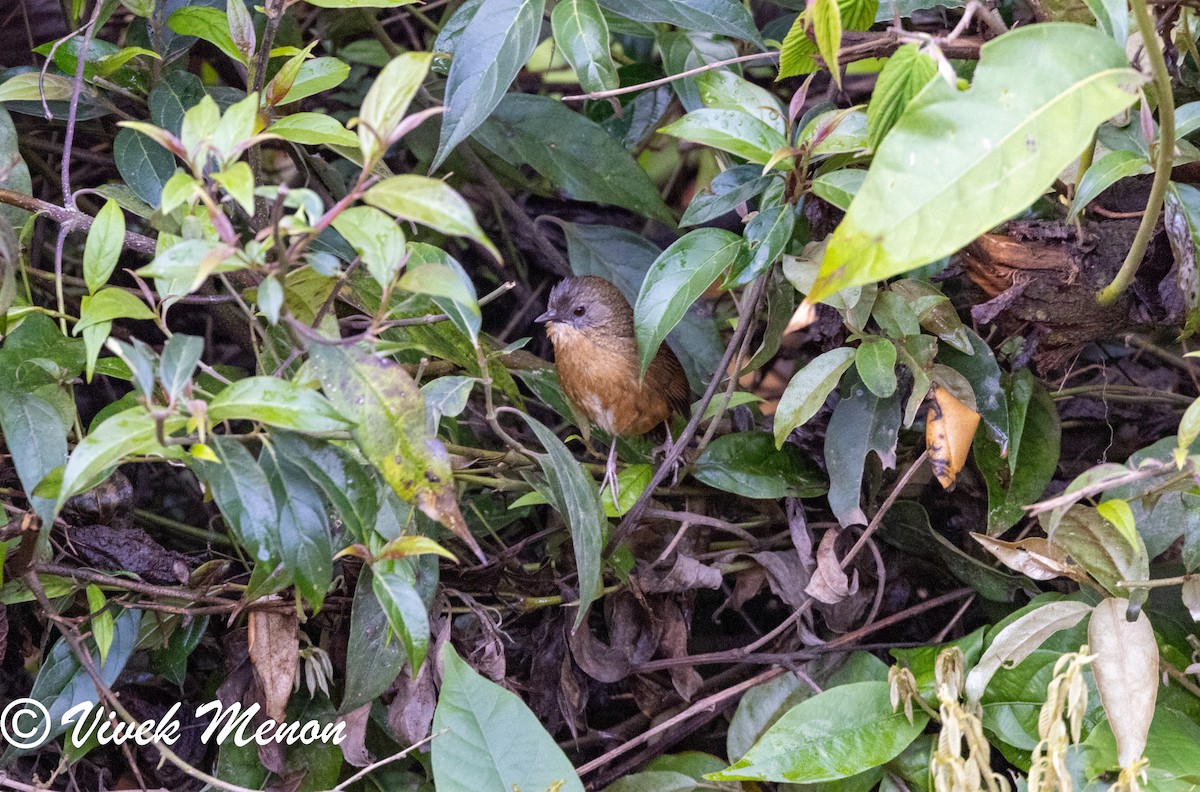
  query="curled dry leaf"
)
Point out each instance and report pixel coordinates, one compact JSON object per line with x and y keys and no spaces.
{"x":1126,"y":671}
{"x":1191,"y":597}
{"x":949,"y":430}
{"x":829,"y":583}
{"x":274,"y":643}
{"x":1034,"y":557}
{"x":1020,"y":638}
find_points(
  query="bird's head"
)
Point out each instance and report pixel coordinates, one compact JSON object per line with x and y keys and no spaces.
{"x":589,"y":305}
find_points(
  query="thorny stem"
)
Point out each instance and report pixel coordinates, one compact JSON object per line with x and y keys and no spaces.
{"x":1163,"y":159}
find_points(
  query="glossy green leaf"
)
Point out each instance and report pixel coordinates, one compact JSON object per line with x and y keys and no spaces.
{"x":728,"y":190}
{"x":723,"y":90}
{"x":242,"y":492}
{"x":729,"y":130}
{"x":35,"y":434}
{"x":833,"y":735}
{"x":839,"y":187}
{"x":727,"y":17}
{"x":180,"y":355}
{"x":463,"y":309}
{"x":372,"y":661}
{"x":342,"y":475}
{"x":564,"y":146}
{"x":316,"y":75}
{"x":767,"y":235}
{"x":430,"y":202}
{"x":676,"y":279}
{"x":989,"y":151}
{"x":209,"y":24}
{"x":143,"y":164}
{"x":276,"y":402}
{"x":581,"y":33}
{"x":489,"y":740}
{"x":109,"y":304}
{"x":387,"y":102}
{"x":313,"y":129}
{"x":749,"y":464}
{"x":492,"y":48}
{"x":861,"y":423}
{"x":305,"y":545}
{"x":128,"y":433}
{"x":34,"y":87}
{"x":376,"y":237}
{"x":393,"y":583}
{"x":1105,"y":172}
{"x":438,"y":280}
{"x":906,"y":72}
{"x":875,"y":361}
{"x":103,"y":247}
{"x":576,"y":498}
{"x":808,"y":390}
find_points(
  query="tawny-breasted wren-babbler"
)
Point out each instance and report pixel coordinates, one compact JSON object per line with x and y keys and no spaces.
{"x":590,"y":324}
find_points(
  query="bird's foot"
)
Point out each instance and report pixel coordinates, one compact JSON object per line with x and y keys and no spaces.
{"x":610,"y":481}
{"x":660,"y":452}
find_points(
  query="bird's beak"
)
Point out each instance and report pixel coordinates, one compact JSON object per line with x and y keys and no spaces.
{"x":548,"y":316}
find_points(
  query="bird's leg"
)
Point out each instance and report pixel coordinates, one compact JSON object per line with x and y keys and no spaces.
{"x":663,"y":450}
{"x":610,"y":473}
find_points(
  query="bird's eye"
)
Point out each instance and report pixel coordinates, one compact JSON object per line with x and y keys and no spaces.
{"x":580,"y":310}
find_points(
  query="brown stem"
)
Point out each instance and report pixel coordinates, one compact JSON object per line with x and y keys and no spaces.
{"x":73,"y":220}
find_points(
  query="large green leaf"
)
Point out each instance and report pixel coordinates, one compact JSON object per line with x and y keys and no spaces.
{"x":305,"y":545}
{"x":707,"y":16}
{"x":808,"y":389}
{"x":387,"y":101}
{"x":581,"y":32}
{"x":35,"y":434}
{"x":143,"y":164}
{"x":738,"y":133}
{"x":276,"y":402}
{"x":15,"y":175}
{"x":489,"y":741}
{"x":1105,"y":172}
{"x":676,"y":279}
{"x":243,"y":494}
{"x":342,"y":475}
{"x":835,"y":734}
{"x":429,"y":202}
{"x":488,"y":53}
{"x":985,"y":153}
{"x":861,"y":423}
{"x":575,"y":497}
{"x":393,"y":582}
{"x":749,"y":464}
{"x":565,"y":147}
{"x":372,"y":662}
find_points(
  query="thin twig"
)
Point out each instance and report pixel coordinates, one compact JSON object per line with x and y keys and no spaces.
{"x":73,"y":219}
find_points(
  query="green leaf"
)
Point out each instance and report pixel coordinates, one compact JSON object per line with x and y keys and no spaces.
{"x":766,"y":235}
{"x":103,"y":247}
{"x":489,"y":740}
{"x":34,"y":87}
{"x":376,"y":237}
{"x":276,"y":402}
{"x":178,"y":92}
{"x":989,"y":151}
{"x":749,"y":464}
{"x":430,"y":202}
{"x":723,"y":90}
{"x":1022,"y":479}
{"x":342,"y":475}
{"x":360,"y":3}
{"x":581,"y":33}
{"x":305,"y":546}
{"x":729,"y":130}
{"x":796,"y":54}
{"x":387,"y":101}
{"x":727,"y":191}
{"x":906,"y":72}
{"x":393,"y":583}
{"x":676,"y":279}
{"x":389,"y":428}
{"x":861,"y":423}
{"x":209,"y":24}
{"x":827,"y":30}
{"x":242,"y":492}
{"x":238,"y":182}
{"x":1101,"y":548}
{"x":876,"y":364}
{"x":241,"y":28}
{"x":15,"y":177}
{"x":143,"y":164}
{"x":101,"y":621}
{"x":182,"y":268}
{"x":1112,"y":16}
{"x":1105,"y":172}
{"x":463,"y":315}
{"x":575,"y":498}
{"x":35,"y":433}
{"x":180,"y":355}
{"x":315,"y":76}
{"x":313,"y":129}
{"x":438,"y":280}
{"x":727,"y":17}
{"x":835,"y":734}
{"x":109,"y":304}
{"x":564,"y":147}
{"x":839,"y":187}
{"x":372,"y":661}
{"x":489,"y":52}
{"x":808,"y":390}
{"x":129,"y":433}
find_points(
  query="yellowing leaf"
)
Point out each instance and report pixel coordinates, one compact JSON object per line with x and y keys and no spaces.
{"x":949,"y":430}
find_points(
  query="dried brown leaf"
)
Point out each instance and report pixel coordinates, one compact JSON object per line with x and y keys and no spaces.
{"x":274,"y":644}
{"x":1126,"y":671}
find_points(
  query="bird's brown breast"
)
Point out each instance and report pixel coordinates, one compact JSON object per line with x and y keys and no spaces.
{"x":599,"y":374}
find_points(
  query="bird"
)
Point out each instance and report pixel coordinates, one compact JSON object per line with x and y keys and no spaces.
{"x":590,"y":325}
